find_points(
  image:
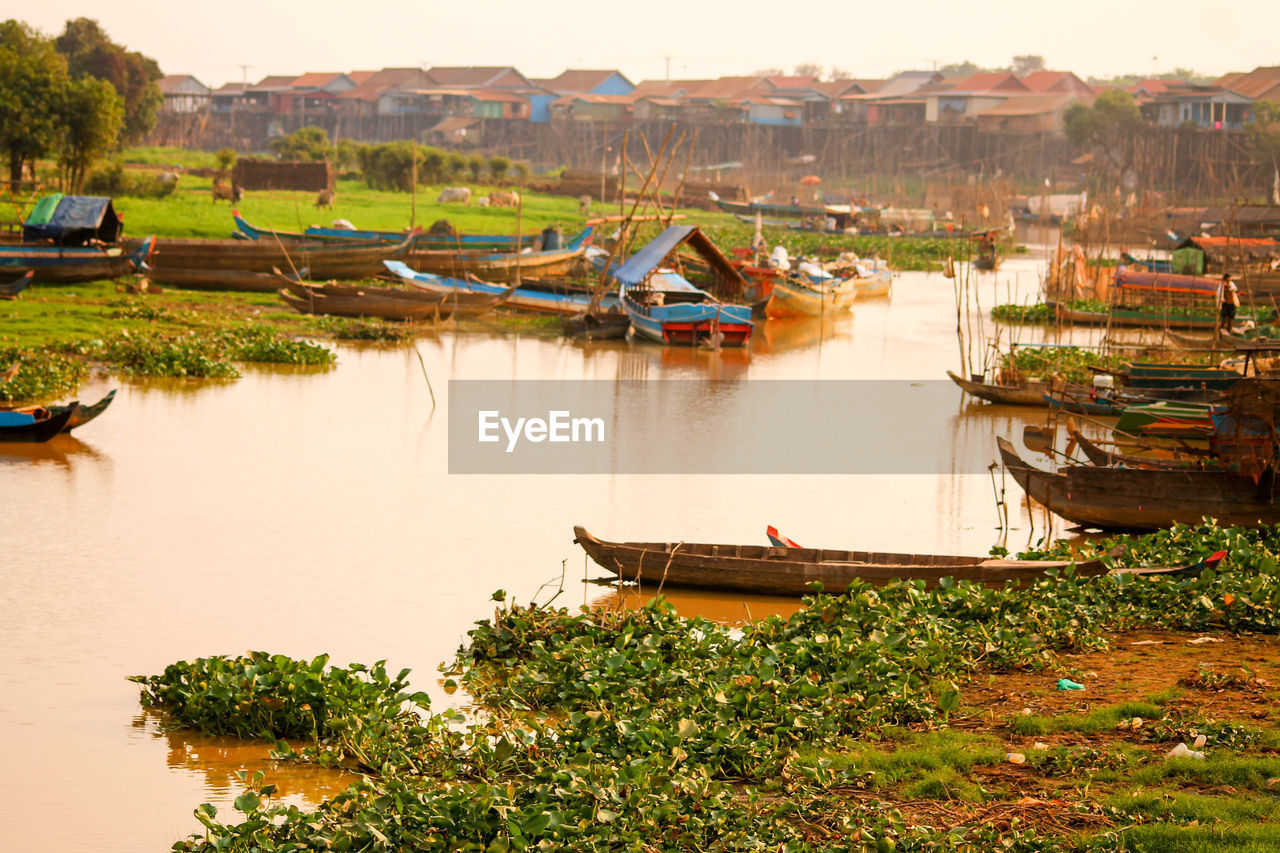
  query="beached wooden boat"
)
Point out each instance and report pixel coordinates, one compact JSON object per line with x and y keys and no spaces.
{"x":772,"y":570}
{"x":232,"y":281}
{"x":53,"y":264}
{"x":356,"y":301}
{"x":13,"y":288}
{"x":1030,"y":392}
{"x":421,"y":240}
{"x":499,"y":267}
{"x":37,"y":426}
{"x":1115,"y":498}
{"x":792,"y":297}
{"x":199,"y":263}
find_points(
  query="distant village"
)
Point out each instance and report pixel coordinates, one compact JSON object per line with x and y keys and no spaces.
{"x":449,"y":100}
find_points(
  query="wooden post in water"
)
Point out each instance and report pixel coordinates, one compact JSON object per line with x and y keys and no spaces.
{"x":519,"y":248}
{"x":413,"y":192}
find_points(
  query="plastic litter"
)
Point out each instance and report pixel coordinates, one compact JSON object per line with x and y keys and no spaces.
{"x":1015,"y":758}
{"x":1068,"y":684}
{"x":1182,"y":751}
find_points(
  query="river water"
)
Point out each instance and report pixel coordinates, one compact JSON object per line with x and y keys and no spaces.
{"x":308,"y":512}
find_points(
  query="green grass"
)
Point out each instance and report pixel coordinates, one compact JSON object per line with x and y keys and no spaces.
{"x":906,"y":756}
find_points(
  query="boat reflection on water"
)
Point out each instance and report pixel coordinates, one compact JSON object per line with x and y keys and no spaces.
{"x":218,"y":761}
{"x":788,"y":333}
{"x":61,"y":450}
{"x":725,"y":607}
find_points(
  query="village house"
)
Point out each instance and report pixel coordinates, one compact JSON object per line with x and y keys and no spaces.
{"x":183,"y":93}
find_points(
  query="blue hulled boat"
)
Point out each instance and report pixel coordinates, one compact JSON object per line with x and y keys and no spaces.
{"x":544,"y":297}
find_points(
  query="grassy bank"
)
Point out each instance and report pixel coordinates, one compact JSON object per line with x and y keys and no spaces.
{"x":896,"y":718}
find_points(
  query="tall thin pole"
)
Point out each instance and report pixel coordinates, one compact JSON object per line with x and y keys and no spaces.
{"x":413,"y":197}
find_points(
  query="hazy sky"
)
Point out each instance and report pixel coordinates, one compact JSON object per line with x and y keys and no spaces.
{"x":701,"y":38}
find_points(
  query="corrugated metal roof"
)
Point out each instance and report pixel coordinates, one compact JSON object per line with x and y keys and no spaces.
{"x":1030,"y":105}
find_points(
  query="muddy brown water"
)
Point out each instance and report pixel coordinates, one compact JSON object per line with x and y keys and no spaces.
{"x":312,"y":512}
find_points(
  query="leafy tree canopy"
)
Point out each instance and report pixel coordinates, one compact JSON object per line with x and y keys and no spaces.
{"x":89,"y":51}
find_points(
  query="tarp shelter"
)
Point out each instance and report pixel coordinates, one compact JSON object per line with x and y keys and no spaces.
{"x":1225,"y":254}
{"x":727,"y":281}
{"x":1168,"y":283}
{"x":73,"y":220}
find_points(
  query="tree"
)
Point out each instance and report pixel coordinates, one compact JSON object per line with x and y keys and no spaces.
{"x":1108,"y":125}
{"x":90,"y":52}
{"x":498,"y":167}
{"x":475,"y":164}
{"x":346,"y":154}
{"x":92,"y":115}
{"x":808,"y":69}
{"x":226,"y":158}
{"x":961,"y":69}
{"x":1027,"y":64}
{"x":305,"y":143}
{"x":33,"y":80}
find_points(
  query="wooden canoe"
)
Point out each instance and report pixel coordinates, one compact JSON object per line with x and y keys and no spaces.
{"x":13,"y":288}
{"x":80,"y":413}
{"x":1029,"y":393}
{"x":770,"y":570}
{"x":1145,"y":499}
{"x":1101,"y":457}
{"x":44,"y":426}
{"x":499,"y":267}
{"x":322,"y":260}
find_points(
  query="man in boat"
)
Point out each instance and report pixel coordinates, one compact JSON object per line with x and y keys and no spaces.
{"x":1230,"y":299}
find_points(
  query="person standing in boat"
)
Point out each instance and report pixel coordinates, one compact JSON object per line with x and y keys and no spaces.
{"x":1230,"y":300}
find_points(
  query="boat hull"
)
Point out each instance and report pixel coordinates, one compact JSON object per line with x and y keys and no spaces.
{"x":691,"y":324}
{"x":1144,"y":499}
{"x":772,"y":570}
{"x":790,"y":299}
{"x":1032,"y":393}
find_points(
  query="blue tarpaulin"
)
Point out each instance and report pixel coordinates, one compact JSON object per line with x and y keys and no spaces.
{"x":76,"y":220}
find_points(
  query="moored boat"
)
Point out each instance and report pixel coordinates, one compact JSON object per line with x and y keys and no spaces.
{"x":773,"y":570}
{"x":34,"y":426}
{"x":793,"y":297}
{"x":421,"y":240}
{"x":55,"y":264}
{"x":204,"y":263}
{"x":543,"y":297}
{"x":1029,"y":392}
{"x":1119,"y":498}
{"x":500,"y":267}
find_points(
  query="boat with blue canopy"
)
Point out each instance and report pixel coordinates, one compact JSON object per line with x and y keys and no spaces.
{"x":664,"y":306}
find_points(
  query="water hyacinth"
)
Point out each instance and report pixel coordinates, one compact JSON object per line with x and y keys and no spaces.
{"x":613,"y":730}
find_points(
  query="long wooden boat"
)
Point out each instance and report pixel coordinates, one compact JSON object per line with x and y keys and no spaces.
{"x":596,"y":326}
{"x":500,"y":267}
{"x":80,"y":413}
{"x":199,"y":260}
{"x":771,"y":570}
{"x":1145,"y":499}
{"x":794,"y":298}
{"x":422,"y":240}
{"x":366,"y":306}
{"x":34,"y":427}
{"x":13,"y":288}
{"x":389,"y":303}
{"x":542,"y":297}
{"x":232,"y":281}
{"x":51,"y":264}
{"x":1030,"y":393}
{"x":1101,"y":457}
